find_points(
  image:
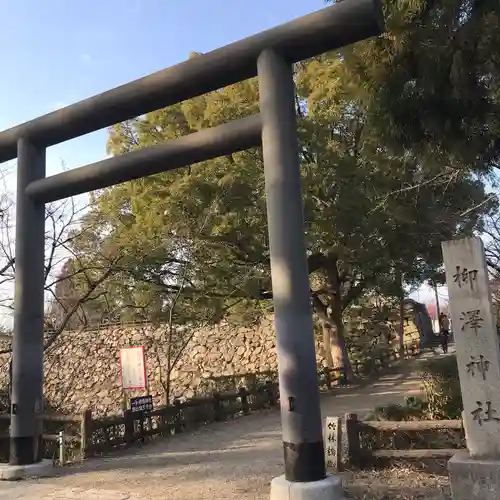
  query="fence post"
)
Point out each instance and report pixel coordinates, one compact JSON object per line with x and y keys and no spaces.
{"x":271,"y":396}
{"x":161,"y":423}
{"x":177,"y":417}
{"x":61,"y":443}
{"x":244,"y":400}
{"x":142,"y":422}
{"x":382,"y":362}
{"x":328,"y":378}
{"x":343,"y":376}
{"x":86,"y":435}
{"x":129,"y":426}
{"x":353,"y":441}
{"x":217,"y":407}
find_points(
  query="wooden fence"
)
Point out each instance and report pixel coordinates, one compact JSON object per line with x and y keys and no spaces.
{"x":53,"y":424}
{"x":84,"y":436}
{"x":122,"y":430}
{"x":415,"y":435}
{"x":101,"y":435}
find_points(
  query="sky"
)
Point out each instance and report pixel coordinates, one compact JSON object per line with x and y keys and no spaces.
{"x":57,"y":52}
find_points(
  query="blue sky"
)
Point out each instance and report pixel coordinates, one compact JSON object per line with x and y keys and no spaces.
{"x":56,"y":52}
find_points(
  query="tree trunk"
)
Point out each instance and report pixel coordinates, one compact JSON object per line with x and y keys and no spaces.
{"x":438,"y":310}
{"x":338,"y":347}
{"x":336,"y":355}
{"x":401,"y":327}
{"x":327,"y":342}
{"x":169,"y":360}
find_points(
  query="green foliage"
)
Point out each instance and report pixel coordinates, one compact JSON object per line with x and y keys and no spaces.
{"x":441,"y":400}
{"x":431,"y":83}
{"x":413,"y":409}
{"x":439,"y":403}
{"x":213,"y":216}
{"x":442,"y":388}
{"x":370,"y":329}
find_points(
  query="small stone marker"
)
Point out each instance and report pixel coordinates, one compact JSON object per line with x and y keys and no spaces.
{"x":477,"y":346}
{"x":333,"y":443}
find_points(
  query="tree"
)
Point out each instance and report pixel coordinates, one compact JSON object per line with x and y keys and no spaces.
{"x":370,"y":214}
{"x":65,"y":270}
{"x":7,"y":258}
{"x":492,"y":250}
{"x":431,"y":83}
{"x":178,"y":337}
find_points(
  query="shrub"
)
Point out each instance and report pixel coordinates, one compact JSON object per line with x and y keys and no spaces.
{"x":441,"y":387}
{"x":231,"y":383}
{"x":413,"y":409}
{"x":442,"y":401}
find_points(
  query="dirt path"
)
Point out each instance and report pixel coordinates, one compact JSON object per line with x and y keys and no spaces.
{"x":234,"y":459}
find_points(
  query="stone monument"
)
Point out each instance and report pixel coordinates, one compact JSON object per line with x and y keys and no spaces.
{"x":475,"y":473}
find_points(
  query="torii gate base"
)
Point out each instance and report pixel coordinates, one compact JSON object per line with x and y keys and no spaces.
{"x":45,"y":468}
{"x":329,"y":488}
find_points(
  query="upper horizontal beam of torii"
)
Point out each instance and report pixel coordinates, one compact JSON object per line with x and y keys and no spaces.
{"x":341,"y":24}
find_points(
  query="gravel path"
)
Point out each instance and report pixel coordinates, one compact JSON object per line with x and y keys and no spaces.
{"x":234,"y":459}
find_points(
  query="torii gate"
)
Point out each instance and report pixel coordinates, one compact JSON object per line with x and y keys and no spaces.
{"x":268,"y":55}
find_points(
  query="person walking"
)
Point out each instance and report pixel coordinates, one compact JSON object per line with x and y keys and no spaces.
{"x":444,"y":324}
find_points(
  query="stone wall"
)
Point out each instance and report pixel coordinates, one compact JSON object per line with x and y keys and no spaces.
{"x":82,"y":370}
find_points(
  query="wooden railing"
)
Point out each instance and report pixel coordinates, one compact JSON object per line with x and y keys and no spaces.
{"x":84,"y":436}
{"x":113,"y":432}
{"x":122,"y":430}
{"x":361,"y":452}
{"x":53,"y":425}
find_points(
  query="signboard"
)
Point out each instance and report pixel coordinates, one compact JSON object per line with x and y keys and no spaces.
{"x":141,"y":403}
{"x":133,"y":368}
